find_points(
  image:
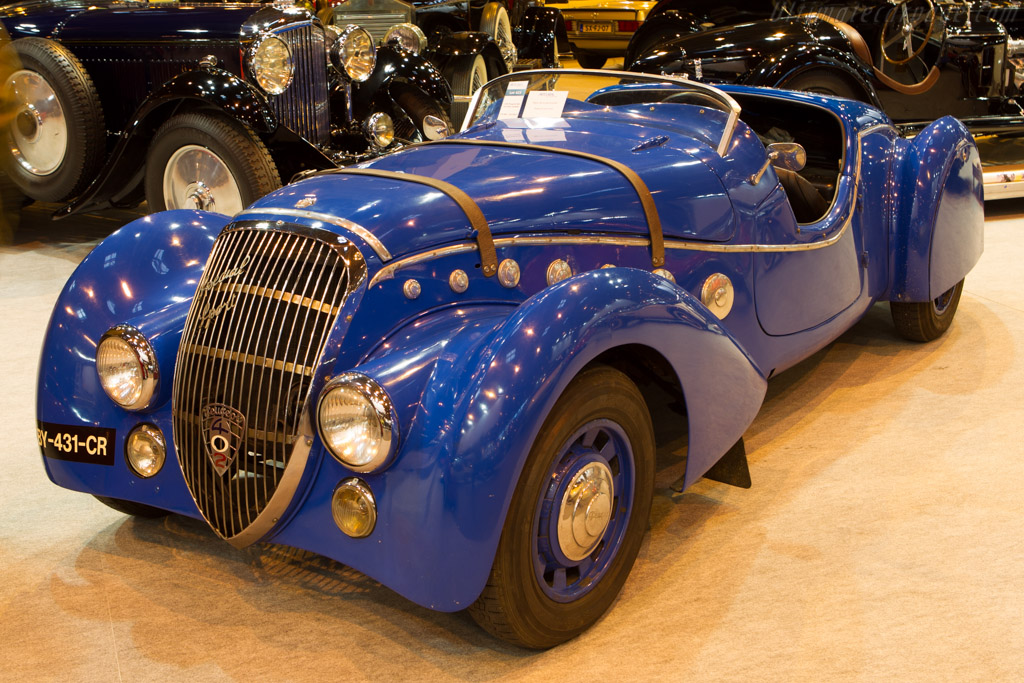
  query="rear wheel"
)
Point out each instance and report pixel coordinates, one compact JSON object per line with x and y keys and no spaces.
{"x":207,"y":162}
{"x":588,"y":60}
{"x":55,"y":141}
{"x":577,"y":517}
{"x":823,"y":83}
{"x":927,"y":320}
{"x":466,"y":75}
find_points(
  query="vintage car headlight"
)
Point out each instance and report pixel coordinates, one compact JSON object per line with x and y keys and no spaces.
{"x":353,"y":508}
{"x":127,"y":367}
{"x":409,"y":37}
{"x":146,"y":450}
{"x":354,"y":53}
{"x":357,"y":422}
{"x":272,"y":66}
{"x":380,"y":129}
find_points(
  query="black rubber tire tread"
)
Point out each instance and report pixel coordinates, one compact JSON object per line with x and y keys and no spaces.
{"x":512,"y":606}
{"x":920,"y":322}
{"x":83,"y":113}
{"x":417,"y":104}
{"x":132,"y":508}
{"x":824,"y":82}
{"x":247,"y":157}
{"x":460,"y":76}
{"x":588,"y":60}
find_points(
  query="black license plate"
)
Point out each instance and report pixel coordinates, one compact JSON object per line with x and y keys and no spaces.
{"x":77,"y":443}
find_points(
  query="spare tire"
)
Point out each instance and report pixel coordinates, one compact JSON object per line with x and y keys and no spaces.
{"x":54,"y":143}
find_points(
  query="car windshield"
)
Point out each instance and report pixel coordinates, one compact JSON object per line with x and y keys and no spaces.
{"x":553,"y":95}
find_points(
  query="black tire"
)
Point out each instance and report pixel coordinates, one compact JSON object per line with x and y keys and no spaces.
{"x":230,"y":147}
{"x":588,"y":60}
{"x":419,"y":107}
{"x":514,"y":606}
{"x":928,"y":320}
{"x":54,"y":149}
{"x":821,"y":82}
{"x":132,"y":508}
{"x":466,"y":75}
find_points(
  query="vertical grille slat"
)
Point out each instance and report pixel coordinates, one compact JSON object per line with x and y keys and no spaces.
{"x":268,"y":298}
{"x":304,"y":106}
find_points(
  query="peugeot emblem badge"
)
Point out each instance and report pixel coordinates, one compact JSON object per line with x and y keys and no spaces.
{"x":223,"y":434}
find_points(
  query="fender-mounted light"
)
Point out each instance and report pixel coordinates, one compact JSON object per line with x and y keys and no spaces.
{"x":357,"y":422}
{"x":145,"y":449}
{"x":127,"y":367}
{"x":353,"y":508}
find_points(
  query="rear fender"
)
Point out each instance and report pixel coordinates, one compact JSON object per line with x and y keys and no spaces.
{"x":540,"y":34}
{"x":145,"y":275}
{"x":468,"y":432}
{"x":795,"y":60}
{"x":939,"y":222}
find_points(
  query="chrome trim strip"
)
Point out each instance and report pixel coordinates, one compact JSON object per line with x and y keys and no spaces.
{"x":249,"y":358}
{"x":367,"y":236}
{"x":287,"y":297}
{"x":389,"y":271}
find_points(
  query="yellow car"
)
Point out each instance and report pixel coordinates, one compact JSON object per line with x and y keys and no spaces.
{"x":599,"y":29}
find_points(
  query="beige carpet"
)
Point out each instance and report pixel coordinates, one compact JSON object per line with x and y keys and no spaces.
{"x":883,"y":538}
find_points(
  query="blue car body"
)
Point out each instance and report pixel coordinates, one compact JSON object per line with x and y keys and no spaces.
{"x":473,"y":375}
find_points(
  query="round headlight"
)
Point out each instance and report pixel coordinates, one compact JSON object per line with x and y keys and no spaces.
{"x":357,"y":422}
{"x":353,"y":508}
{"x":146,"y":450}
{"x":272,"y":66}
{"x":127,"y":367}
{"x":409,"y":37}
{"x":354,"y":53}
{"x":380,"y":129}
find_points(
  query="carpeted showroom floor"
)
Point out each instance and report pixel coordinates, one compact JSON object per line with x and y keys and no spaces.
{"x":883,"y":538}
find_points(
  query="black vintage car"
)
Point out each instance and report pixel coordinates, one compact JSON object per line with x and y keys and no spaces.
{"x":915,"y":59}
{"x":470,"y":42}
{"x":204,"y":106}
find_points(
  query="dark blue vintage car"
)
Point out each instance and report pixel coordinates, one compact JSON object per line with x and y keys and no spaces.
{"x":439,"y":367}
{"x":205,"y":106}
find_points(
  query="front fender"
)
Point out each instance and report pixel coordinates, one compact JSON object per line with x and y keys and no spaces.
{"x":214,"y":88}
{"x":776,"y":69}
{"x":539,"y":35}
{"x":468,"y":44}
{"x":939,"y":231}
{"x":485,"y":395}
{"x":396,"y":68}
{"x":145,"y":274}
{"x":658,"y":28}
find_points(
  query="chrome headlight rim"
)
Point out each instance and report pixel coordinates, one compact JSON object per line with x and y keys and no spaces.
{"x":145,"y":357}
{"x":383,"y":409}
{"x":155,"y":434}
{"x":263,"y":43}
{"x":348,"y":67}
{"x":409,"y":37}
{"x":379,"y":129}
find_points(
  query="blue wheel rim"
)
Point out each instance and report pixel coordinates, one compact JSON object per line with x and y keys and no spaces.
{"x":605,"y":443}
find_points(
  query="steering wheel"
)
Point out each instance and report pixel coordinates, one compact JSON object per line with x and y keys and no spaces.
{"x":900,"y":26}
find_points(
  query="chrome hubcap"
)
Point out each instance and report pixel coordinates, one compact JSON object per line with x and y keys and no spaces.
{"x":39,"y":131}
{"x":196,"y":178}
{"x":585,"y":511}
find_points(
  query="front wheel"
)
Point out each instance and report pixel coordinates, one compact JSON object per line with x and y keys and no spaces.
{"x":577,"y":517}
{"x":130,"y":507}
{"x":927,"y":320}
{"x":207,"y":162}
{"x":467,"y":75}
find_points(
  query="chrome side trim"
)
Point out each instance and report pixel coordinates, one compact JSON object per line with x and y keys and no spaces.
{"x":367,"y":236}
{"x":389,"y":271}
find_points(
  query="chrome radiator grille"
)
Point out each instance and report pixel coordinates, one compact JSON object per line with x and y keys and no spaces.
{"x":304,"y":106}
{"x":377,"y":24}
{"x":268,"y":298}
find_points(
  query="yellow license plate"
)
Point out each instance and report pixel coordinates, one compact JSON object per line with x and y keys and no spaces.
{"x":586,"y":27}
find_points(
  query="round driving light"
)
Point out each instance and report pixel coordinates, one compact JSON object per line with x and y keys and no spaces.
{"x":127,"y":367}
{"x":272,"y":65}
{"x":146,"y":450}
{"x":357,"y":422}
{"x":380,"y":129}
{"x":353,"y":508}
{"x":354,"y":53}
{"x":409,"y":37}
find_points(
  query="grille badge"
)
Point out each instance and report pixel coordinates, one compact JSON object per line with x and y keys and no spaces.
{"x":223,"y":433}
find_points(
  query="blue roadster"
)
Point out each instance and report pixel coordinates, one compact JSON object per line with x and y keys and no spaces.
{"x":439,"y":367}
